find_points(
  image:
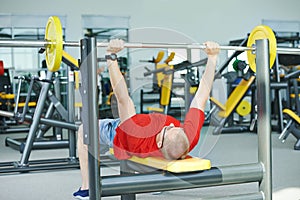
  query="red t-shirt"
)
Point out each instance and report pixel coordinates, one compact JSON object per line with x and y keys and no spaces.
{"x":137,"y":135}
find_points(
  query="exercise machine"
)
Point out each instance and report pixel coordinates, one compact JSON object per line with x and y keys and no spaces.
{"x":132,"y":184}
{"x":38,"y":127}
{"x":293,"y":111}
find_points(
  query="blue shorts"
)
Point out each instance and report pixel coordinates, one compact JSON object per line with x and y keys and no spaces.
{"x":107,"y":131}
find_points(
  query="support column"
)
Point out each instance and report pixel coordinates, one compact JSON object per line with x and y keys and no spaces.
{"x":90,"y":109}
{"x":264,"y":115}
{"x":71,"y":115}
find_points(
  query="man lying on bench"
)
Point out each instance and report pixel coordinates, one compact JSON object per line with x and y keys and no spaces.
{"x":148,"y":135}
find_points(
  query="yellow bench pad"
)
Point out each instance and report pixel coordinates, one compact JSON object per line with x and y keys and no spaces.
{"x":189,"y":164}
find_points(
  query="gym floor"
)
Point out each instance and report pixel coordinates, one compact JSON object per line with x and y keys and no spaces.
{"x":230,"y":149}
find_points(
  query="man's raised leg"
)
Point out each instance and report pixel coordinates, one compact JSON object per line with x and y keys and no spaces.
{"x":83,"y":159}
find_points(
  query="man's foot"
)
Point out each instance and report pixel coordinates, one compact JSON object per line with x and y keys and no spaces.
{"x":81,"y":194}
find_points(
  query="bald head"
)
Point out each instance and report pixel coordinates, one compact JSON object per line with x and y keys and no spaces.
{"x":176,"y":144}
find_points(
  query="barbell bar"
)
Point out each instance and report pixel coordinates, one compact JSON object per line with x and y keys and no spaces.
{"x":54,"y":43}
{"x":285,"y":50}
{"x":42,"y":44}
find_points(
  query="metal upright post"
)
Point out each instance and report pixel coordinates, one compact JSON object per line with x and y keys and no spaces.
{"x":71,"y":115}
{"x":89,"y":95}
{"x":264,"y":115}
{"x":278,"y":96}
{"x":57,"y":131}
{"x":187,"y":95}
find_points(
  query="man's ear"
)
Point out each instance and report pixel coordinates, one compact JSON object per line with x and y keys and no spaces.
{"x":159,"y":144}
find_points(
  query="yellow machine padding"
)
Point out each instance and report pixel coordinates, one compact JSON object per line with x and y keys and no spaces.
{"x":159,"y":57}
{"x":71,"y":59}
{"x":78,"y":105}
{"x":153,"y":109}
{"x":166,"y":89}
{"x":77,"y":79}
{"x":170,"y":58}
{"x":166,"y":81}
{"x":6,"y":96}
{"x":234,"y":98}
{"x":293,"y":96}
{"x":189,"y":164}
{"x":30,"y":104}
{"x":12,"y":96}
{"x":160,"y":75}
{"x":193,"y":90}
{"x":217,"y":103}
{"x":292,"y":115}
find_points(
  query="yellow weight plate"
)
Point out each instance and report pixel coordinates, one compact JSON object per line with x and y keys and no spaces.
{"x":244,"y":108}
{"x":261,"y":32}
{"x":54,"y":51}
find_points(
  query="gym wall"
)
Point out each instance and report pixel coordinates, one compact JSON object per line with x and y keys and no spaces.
{"x":188,"y":21}
{"x":201,"y":20}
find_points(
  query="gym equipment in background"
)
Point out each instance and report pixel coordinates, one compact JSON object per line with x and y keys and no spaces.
{"x":292,"y":113}
{"x":162,"y":85}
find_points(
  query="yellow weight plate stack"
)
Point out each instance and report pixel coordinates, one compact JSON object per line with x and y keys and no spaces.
{"x":54,"y":51}
{"x":244,"y":108}
{"x":261,"y":32}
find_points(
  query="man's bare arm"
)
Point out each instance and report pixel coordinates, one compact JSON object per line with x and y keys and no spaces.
{"x":206,"y":82}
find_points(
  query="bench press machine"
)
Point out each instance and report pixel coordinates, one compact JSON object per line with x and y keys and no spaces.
{"x":131,"y":184}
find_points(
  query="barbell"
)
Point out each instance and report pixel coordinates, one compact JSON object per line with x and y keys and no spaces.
{"x":54,"y":44}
